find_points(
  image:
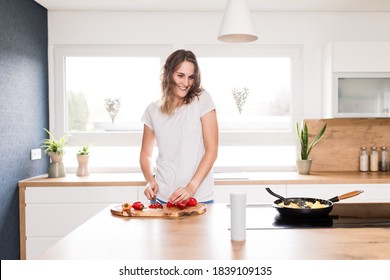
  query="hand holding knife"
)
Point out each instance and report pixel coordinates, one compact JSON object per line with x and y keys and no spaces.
{"x":151,"y":190}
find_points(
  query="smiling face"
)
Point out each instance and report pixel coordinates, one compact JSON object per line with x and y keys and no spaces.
{"x":180,"y":80}
{"x":183,"y":78}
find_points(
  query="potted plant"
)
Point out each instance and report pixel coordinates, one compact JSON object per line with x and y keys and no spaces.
{"x":82,"y":159}
{"x":83,"y":151}
{"x":55,"y":149}
{"x":304,"y":162}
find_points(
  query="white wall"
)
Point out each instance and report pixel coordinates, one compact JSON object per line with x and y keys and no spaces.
{"x":311,"y":30}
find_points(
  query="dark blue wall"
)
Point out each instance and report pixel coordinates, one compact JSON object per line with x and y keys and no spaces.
{"x":23,"y":108}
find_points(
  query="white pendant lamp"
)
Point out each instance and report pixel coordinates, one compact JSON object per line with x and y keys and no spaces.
{"x":237,"y":25}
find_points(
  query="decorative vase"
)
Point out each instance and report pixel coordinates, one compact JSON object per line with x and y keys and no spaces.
{"x":82,"y":169}
{"x":304,"y":166}
{"x":56,"y":158}
{"x":57,"y":168}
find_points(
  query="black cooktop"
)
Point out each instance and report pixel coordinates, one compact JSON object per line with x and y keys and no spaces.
{"x":343,"y":215}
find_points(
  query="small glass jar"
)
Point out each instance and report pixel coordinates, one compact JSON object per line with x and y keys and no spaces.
{"x":374,"y":159}
{"x":363,"y":159}
{"x":384,"y":160}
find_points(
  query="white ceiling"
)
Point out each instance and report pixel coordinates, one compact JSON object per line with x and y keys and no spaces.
{"x":216,"y":5}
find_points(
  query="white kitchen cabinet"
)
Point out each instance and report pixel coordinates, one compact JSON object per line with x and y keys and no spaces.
{"x":53,"y":212}
{"x":357,"y":56}
{"x":356,"y":80}
{"x":254,"y":193}
{"x":47,"y":223}
{"x":372,"y":192}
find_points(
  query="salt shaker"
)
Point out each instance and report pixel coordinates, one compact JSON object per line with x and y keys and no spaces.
{"x":384,"y":160}
{"x":363,"y":159}
{"x":374,"y":159}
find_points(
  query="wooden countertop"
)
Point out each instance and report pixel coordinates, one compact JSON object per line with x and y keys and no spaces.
{"x":206,"y":237}
{"x":242,"y":178}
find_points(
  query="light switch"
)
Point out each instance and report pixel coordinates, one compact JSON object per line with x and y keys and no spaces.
{"x":36,"y":154}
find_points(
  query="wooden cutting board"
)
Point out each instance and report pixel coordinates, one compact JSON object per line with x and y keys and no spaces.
{"x":174,"y":212}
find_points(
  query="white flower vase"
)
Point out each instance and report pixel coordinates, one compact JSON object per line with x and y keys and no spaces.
{"x":57,"y":168}
{"x":82,"y":169}
{"x":304,"y":166}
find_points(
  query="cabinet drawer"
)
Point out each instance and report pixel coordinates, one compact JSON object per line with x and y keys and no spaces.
{"x":58,"y":219}
{"x":80,"y":194}
{"x":35,"y":246}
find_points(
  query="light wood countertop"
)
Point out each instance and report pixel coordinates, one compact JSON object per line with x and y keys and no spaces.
{"x":207,"y":237}
{"x":241,"y":178}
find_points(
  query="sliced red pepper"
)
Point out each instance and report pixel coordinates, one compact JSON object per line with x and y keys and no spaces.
{"x":153,"y":206}
{"x":156,"y":205}
{"x":170,"y":205}
{"x":159,"y":205}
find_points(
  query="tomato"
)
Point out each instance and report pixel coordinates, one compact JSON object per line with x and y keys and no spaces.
{"x":182,"y":204}
{"x":126,"y":207}
{"x":192,"y":201}
{"x":138,"y":205}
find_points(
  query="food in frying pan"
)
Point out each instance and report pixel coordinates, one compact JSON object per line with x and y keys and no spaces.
{"x":305,"y":205}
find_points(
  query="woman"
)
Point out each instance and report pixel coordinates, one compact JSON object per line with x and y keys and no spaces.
{"x":184,"y":125}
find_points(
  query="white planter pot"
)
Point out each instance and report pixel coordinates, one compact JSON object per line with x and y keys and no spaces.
{"x":56,"y":168}
{"x":82,"y":169}
{"x":304,"y":166}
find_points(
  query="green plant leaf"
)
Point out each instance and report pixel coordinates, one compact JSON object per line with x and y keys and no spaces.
{"x":303,"y":136}
{"x":52,"y":145}
{"x":316,"y":139}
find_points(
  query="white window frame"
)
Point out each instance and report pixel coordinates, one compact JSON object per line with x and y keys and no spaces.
{"x":294,"y":52}
{"x":133,"y":139}
{"x":57,"y":105}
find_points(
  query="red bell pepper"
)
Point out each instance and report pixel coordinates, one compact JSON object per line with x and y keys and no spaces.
{"x":138,"y":205}
{"x":182,"y":204}
{"x":192,"y":201}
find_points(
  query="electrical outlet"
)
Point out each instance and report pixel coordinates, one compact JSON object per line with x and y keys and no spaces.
{"x":36,"y":154}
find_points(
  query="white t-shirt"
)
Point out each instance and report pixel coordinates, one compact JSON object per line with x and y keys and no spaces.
{"x":180,"y":146}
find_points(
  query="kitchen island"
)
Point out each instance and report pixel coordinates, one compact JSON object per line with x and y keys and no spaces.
{"x":207,"y":237}
{"x":50,"y":208}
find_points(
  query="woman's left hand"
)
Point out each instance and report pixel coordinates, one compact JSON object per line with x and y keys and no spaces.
{"x":181,"y":194}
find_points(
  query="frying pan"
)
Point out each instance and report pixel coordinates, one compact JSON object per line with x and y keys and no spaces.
{"x":307,"y":212}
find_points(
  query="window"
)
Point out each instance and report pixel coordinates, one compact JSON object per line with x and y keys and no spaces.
{"x":256,"y":90}
{"x":103,"y":93}
{"x":100,"y":94}
{"x":251,"y":93}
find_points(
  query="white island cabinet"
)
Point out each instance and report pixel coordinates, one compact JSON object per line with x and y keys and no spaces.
{"x":53,"y":212}
{"x":356,"y":80}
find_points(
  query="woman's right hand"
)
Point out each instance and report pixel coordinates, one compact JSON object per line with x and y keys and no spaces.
{"x":151,"y":190}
